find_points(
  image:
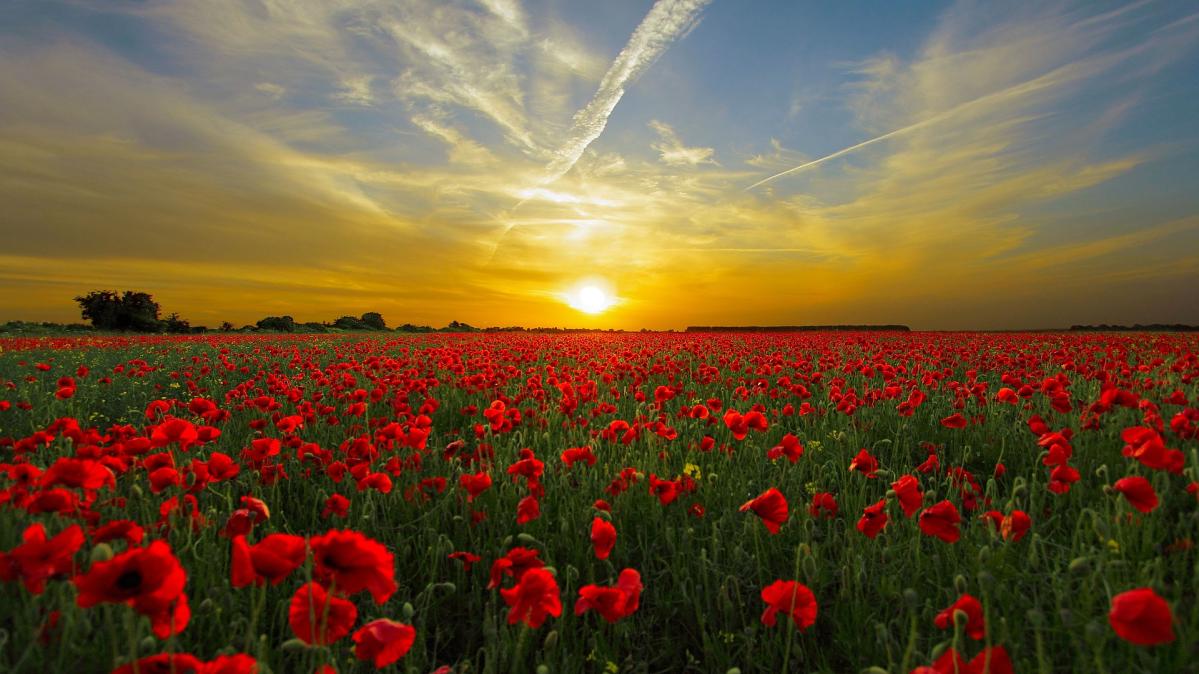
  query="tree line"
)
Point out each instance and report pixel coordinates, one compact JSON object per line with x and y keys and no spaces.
{"x":135,"y":311}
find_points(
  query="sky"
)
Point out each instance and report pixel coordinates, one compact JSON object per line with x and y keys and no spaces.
{"x":944,"y":165}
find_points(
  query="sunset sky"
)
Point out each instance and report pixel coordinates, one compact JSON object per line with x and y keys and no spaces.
{"x":952,"y":165}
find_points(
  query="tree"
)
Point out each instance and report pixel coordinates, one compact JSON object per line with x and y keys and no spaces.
{"x":374,"y":320}
{"x":107,"y":310}
{"x":278,"y":324}
{"x":176,"y":325}
{"x":350,"y":323}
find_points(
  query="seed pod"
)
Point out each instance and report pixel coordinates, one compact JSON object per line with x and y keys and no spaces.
{"x":101,"y":552}
{"x":1080,"y":566}
{"x":294,"y":646}
{"x":986,"y":579}
{"x":1035,"y":617}
{"x":911,"y":597}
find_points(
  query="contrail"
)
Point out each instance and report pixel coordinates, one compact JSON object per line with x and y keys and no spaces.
{"x":1059,"y":75}
{"x":847,"y":150}
{"x":666,"y":21}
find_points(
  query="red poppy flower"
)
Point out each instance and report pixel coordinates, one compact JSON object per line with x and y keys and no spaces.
{"x":38,"y":559}
{"x":740,"y":424}
{"x":336,"y":506}
{"x":993,"y":660}
{"x":576,"y":454}
{"x":474,"y":484}
{"x":468,"y":559}
{"x":354,"y":563}
{"x":514,"y":564}
{"x":1142,"y":617}
{"x":941,"y":520}
{"x":148,"y":579}
{"x":163,"y":663}
{"x":1015,"y":525}
{"x":273,"y":558}
{"x":864,"y":463}
{"x":528,"y":509}
{"x":318,"y":617}
{"x":907,"y":490}
{"x":1061,"y":477}
{"x":129,"y":530}
{"x":1138,"y":491}
{"x":792,"y":599}
{"x":954,"y":420}
{"x":79,"y":474}
{"x":174,"y":431}
{"x":789,"y":447}
{"x":976,"y":627}
{"x":666,"y":490}
{"x":824,"y":505}
{"x":612,"y":603}
{"x":533,"y":598}
{"x":771,"y":506}
{"x":238,"y":663}
{"x":873,"y":519}
{"x":383,"y":641}
{"x":603,"y":537}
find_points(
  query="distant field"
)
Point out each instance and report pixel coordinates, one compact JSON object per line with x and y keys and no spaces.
{"x":600,"y":503}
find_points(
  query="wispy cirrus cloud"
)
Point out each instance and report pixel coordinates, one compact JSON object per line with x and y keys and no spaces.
{"x":672,"y":151}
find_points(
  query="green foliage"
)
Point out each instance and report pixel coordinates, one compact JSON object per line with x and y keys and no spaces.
{"x":374,"y":320}
{"x":132,"y":311}
{"x":278,"y":324}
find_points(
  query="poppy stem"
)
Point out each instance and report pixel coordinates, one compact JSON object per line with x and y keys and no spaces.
{"x":518,"y":654}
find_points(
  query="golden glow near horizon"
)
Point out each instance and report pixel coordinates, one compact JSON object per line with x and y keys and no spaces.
{"x":962,"y":166}
{"x":591,"y":299}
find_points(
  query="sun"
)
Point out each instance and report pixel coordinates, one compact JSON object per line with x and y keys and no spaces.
{"x":590,"y":299}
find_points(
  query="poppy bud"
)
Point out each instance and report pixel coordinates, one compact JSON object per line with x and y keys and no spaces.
{"x":507,"y":542}
{"x":930,"y":497}
{"x":551,"y":640}
{"x":489,"y":627}
{"x":960,"y":618}
{"x":542,"y":669}
{"x":1035,"y":617}
{"x":874,"y":670}
{"x":1080,"y":566}
{"x":809,"y":566}
{"x":911,"y":597}
{"x":407,"y":610}
{"x":294,"y":646}
{"x":734,"y":670}
{"x":1099,"y":526}
{"x":205,"y":606}
{"x":1095,"y":630}
{"x":1101,"y":472}
{"x":986,"y":579}
{"x":450,"y":588}
{"x":102,"y":552}
{"x":984,"y":555}
{"x":959,"y":583}
{"x":148,"y":644}
{"x":527,"y":539}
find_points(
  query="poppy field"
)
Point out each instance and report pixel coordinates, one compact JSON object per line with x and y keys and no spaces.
{"x":811,"y":502}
